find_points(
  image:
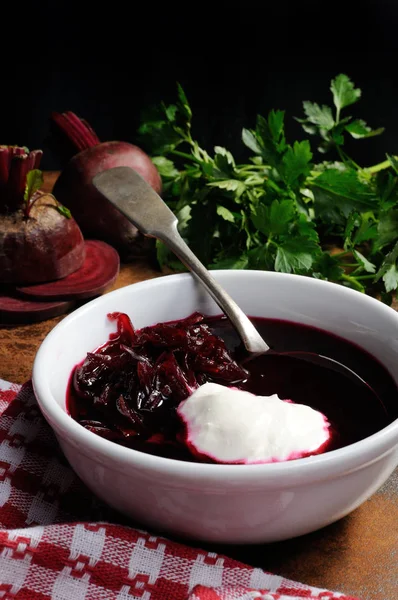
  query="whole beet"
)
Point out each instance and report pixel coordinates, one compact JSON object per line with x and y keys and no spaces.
{"x":95,"y":215}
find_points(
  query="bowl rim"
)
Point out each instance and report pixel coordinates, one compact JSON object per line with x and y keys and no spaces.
{"x":323,"y":466}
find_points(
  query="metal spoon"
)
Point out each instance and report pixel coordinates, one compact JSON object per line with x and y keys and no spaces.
{"x":143,"y":207}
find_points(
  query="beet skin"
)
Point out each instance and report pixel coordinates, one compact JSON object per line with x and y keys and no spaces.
{"x":96,"y":217}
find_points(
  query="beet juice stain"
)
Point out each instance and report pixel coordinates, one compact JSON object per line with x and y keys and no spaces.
{"x":129,"y":389}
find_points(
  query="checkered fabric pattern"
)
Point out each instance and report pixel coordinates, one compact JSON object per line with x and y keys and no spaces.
{"x":58,"y":542}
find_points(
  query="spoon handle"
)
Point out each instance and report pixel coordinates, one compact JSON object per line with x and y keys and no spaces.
{"x":143,"y":207}
{"x":249,"y":335}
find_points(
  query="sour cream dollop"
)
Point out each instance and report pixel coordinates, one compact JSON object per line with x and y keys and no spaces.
{"x":234,"y":426}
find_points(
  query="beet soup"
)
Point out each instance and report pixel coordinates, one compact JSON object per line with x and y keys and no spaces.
{"x":129,"y":389}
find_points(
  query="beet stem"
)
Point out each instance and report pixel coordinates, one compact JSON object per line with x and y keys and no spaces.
{"x":79,"y":132}
{"x":86,"y":130}
{"x":31,"y":202}
{"x":15,"y":164}
{"x":4,"y":166}
{"x":62,"y":124}
{"x":95,"y":137}
{"x":36,"y":156}
{"x":17,"y":181}
{"x":18,"y":151}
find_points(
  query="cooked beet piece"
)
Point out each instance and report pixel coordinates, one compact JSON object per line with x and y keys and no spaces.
{"x":133,"y":384}
{"x":98,"y":271}
{"x":14,"y":310}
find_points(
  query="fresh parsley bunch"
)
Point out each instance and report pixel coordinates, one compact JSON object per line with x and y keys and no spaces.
{"x":280,"y":211}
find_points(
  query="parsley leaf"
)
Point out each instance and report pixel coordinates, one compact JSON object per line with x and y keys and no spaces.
{"x":280,"y":215}
{"x":165,"y":166}
{"x":319,"y":115}
{"x":367,"y":229}
{"x":166,"y":127}
{"x":224,"y":160}
{"x":261,"y":257}
{"x":235,"y":262}
{"x":344,"y":191}
{"x":297,"y":162}
{"x":231,"y":185}
{"x":390,"y":278}
{"x":327,"y":267}
{"x":393,"y":162}
{"x":304,"y":227}
{"x":387,"y":229}
{"x":359,"y":129}
{"x":274,"y":219}
{"x":270,"y":136}
{"x":344,"y":92}
{"x":296,"y":255}
{"x":225,"y":213}
{"x":250,"y":140}
{"x":184,"y":105}
{"x":260,"y":218}
{"x":365,"y":263}
{"x":319,"y":120}
{"x":388,"y":270}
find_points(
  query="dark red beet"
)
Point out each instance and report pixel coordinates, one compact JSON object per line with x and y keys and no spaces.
{"x":98,"y":272}
{"x":14,"y":310}
{"x":94,"y":214}
{"x":39,"y":240}
{"x":43,"y":247}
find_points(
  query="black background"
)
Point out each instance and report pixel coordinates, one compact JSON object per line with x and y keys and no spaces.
{"x":107,"y":62}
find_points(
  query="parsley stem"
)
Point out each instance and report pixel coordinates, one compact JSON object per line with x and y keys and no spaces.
{"x":347,"y":160}
{"x":186,"y":155}
{"x":354,"y":164}
{"x":341,"y":155}
{"x":251,"y":167}
{"x":365,"y":276}
{"x":353,"y":281}
{"x":379,"y":167}
{"x":270,"y":242}
{"x":340,"y":254}
{"x":248,"y":167}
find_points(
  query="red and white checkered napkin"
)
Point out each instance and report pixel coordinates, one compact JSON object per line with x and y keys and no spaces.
{"x":58,"y":542}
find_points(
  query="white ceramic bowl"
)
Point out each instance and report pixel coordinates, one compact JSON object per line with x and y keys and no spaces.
{"x":223,"y":503}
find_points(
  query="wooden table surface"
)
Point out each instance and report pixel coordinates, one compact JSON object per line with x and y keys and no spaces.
{"x":357,"y":555}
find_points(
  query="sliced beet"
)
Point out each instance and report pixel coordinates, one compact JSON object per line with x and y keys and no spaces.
{"x":14,"y":310}
{"x":99,"y":271}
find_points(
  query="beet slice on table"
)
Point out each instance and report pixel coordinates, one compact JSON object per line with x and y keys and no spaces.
{"x":99,"y":271}
{"x":14,"y":310}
